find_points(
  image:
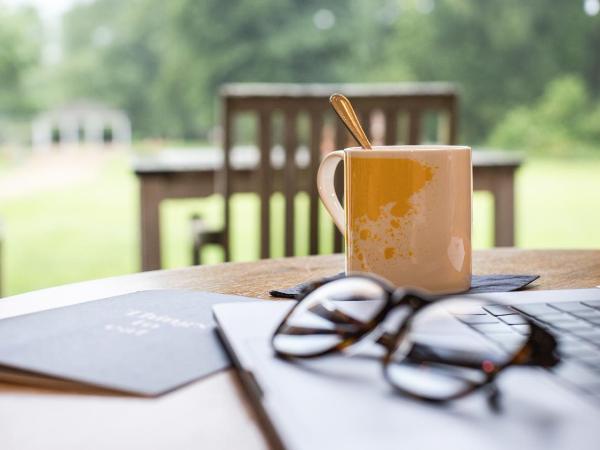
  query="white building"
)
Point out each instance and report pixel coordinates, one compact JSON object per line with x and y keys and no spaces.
{"x":80,"y":123}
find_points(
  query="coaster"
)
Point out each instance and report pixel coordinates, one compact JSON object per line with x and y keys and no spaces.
{"x":479,"y":284}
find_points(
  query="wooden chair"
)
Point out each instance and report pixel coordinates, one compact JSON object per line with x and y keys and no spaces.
{"x":390,"y":113}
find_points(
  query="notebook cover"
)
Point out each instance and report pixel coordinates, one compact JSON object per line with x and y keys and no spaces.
{"x":145,"y":343}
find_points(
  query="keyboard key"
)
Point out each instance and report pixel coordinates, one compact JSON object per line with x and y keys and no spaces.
{"x":593,"y":365}
{"x":589,"y":314}
{"x":590,"y":359}
{"x":595,"y":397}
{"x":535,"y":309}
{"x":514,"y":319}
{"x":574,"y":326}
{"x":592,"y":303}
{"x":558,"y":317}
{"x":522,"y":329}
{"x":467,"y":309}
{"x":547,"y":327}
{"x":559,"y":334}
{"x":577,"y":374}
{"x":594,"y":320}
{"x":570,"y":306}
{"x":589,"y":334}
{"x":493,"y":328}
{"x":476,"y":318}
{"x":510,"y":342}
{"x":568,"y":338}
{"x":580,"y":351}
{"x":593,"y":388}
{"x":499,"y":310}
{"x":576,"y":346}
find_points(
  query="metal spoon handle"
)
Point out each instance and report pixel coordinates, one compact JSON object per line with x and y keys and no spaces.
{"x":344,"y":110}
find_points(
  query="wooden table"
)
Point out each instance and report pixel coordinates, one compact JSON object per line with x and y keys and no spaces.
{"x":213,"y":412}
{"x":189,"y":174}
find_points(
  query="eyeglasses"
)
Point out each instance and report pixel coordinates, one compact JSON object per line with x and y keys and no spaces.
{"x":432,"y":350}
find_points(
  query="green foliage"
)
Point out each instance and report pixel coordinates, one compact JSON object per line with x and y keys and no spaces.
{"x":163,"y":62}
{"x":114,"y":52}
{"x":19,"y":53}
{"x":563,"y":121}
{"x":501,"y":53}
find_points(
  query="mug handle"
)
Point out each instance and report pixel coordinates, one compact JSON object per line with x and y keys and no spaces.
{"x":325,"y":177}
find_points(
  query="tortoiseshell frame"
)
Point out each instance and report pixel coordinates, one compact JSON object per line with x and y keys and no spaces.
{"x":538,"y":349}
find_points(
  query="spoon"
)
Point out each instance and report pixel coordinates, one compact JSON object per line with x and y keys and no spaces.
{"x":344,"y":110}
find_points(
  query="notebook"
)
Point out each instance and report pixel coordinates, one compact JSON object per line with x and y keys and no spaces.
{"x":146,"y":343}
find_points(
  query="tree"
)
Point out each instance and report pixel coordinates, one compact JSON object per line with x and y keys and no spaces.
{"x":220,"y":41}
{"x":502,"y":54}
{"x":19,"y":53}
{"x":113,"y":51}
{"x":164,"y":61}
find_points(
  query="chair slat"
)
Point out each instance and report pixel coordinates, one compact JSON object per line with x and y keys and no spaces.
{"x":316,"y":129}
{"x":290,"y":143}
{"x":265,"y":185}
{"x":391,"y":126}
{"x":452,"y":112}
{"x":414,"y":126}
{"x":365,"y":120}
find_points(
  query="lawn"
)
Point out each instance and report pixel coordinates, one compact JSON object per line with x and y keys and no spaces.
{"x":88,"y":229}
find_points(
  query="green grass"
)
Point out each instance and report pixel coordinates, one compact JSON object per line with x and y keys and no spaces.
{"x":558,"y":204}
{"x":71,"y":234}
{"x":90,"y":230}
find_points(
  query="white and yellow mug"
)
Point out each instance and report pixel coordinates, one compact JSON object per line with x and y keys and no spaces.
{"x":407,"y":213}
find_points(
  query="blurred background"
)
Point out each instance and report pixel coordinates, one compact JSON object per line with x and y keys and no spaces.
{"x":528,"y":74}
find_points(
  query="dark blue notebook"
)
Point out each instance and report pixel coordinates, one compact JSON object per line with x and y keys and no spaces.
{"x":146,"y":343}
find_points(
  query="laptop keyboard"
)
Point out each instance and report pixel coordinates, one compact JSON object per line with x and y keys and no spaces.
{"x":576,"y":326}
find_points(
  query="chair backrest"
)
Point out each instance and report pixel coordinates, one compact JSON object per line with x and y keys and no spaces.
{"x":390,"y":113}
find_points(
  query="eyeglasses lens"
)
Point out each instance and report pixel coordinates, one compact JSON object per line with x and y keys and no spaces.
{"x":329,"y":315}
{"x":452,"y":345}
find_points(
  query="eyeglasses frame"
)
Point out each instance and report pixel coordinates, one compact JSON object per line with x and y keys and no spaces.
{"x":538,"y":349}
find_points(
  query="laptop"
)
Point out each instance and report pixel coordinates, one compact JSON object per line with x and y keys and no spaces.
{"x":343,"y":401}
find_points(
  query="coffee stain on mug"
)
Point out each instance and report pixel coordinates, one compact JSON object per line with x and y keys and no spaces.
{"x":379,"y":182}
{"x":382,"y":205}
{"x":389,"y":252}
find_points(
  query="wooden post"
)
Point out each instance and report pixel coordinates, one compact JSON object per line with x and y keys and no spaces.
{"x":226,"y":174}
{"x":504,"y":206}
{"x":150,"y":198}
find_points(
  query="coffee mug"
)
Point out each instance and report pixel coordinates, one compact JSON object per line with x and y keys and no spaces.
{"x":407,"y":214}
